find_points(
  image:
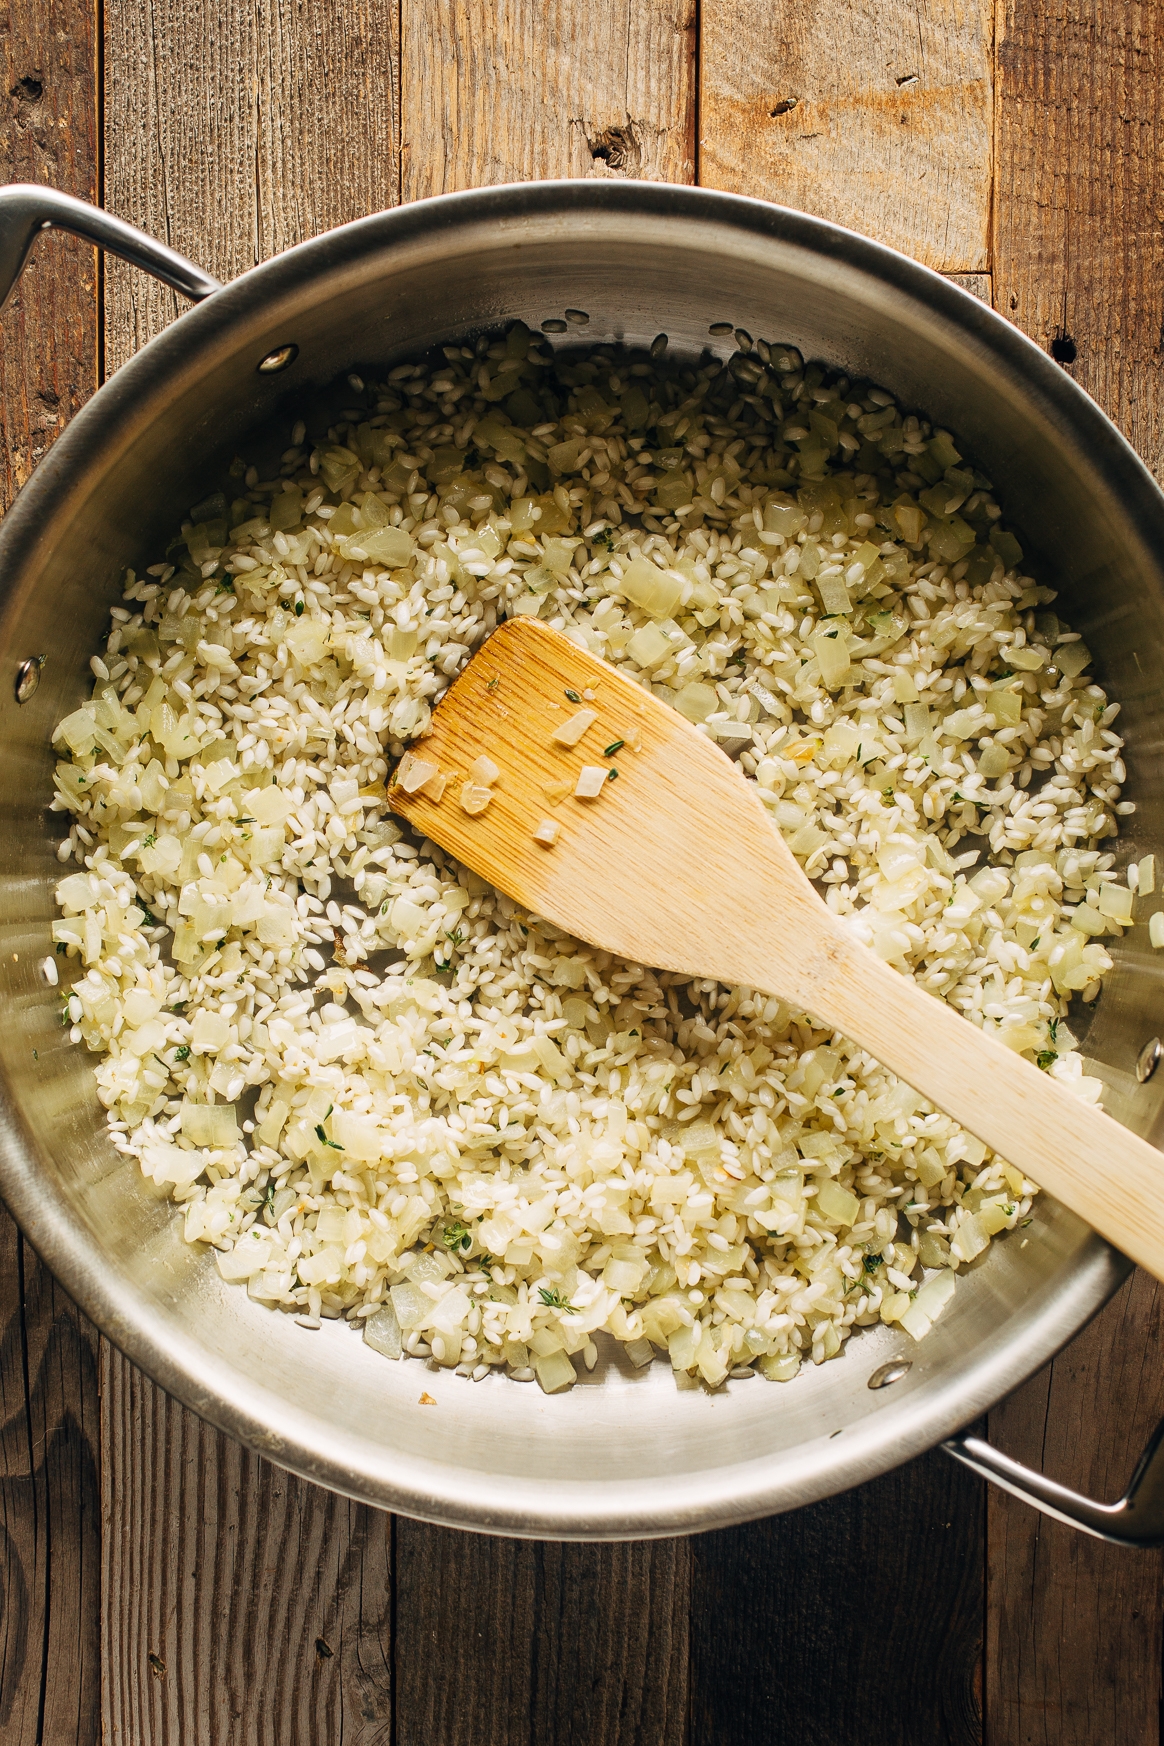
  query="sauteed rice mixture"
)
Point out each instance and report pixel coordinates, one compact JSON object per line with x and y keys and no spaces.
{"x":478,"y":1139}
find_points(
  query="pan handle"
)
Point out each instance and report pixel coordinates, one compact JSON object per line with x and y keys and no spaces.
{"x":26,"y":208}
{"x":1136,"y":1520}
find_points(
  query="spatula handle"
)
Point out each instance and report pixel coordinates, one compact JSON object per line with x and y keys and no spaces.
{"x":1102,"y":1171}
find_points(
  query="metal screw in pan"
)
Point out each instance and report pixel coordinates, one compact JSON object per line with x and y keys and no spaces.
{"x":28,"y":677}
{"x":1149,"y":1059}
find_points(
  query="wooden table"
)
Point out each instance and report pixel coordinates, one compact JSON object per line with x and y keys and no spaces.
{"x":162,"y":1584}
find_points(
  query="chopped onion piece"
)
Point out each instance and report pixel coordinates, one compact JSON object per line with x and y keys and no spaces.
{"x":435,"y":787}
{"x":475,"y":798}
{"x":484,"y":770}
{"x":412,"y":772}
{"x":1156,"y":929}
{"x":591,"y":781}
{"x":556,"y":792}
{"x":571,"y":731}
{"x":1146,"y":880}
{"x":632,"y":736}
{"x":547,"y":832}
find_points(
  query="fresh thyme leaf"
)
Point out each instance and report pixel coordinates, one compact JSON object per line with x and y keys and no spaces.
{"x":182,"y":1052}
{"x":614,"y":746}
{"x":323,"y":1139}
{"x":573,"y":696}
{"x":299,"y":609}
{"x":872,"y":1263}
{"x":553,"y":1299}
{"x":457,"y":1236}
{"x":1046,"y":1058}
{"x":612,"y":774}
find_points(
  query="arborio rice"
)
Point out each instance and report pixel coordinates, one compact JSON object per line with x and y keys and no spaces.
{"x":472,"y":1135}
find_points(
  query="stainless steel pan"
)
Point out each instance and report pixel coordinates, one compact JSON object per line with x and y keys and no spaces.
{"x":625,"y":1454}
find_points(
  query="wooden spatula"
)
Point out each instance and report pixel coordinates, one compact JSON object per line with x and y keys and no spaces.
{"x":674,"y":864}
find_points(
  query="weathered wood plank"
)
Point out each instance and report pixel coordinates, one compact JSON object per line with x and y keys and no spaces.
{"x":233,"y":132}
{"x":50,"y":1553}
{"x":1079,"y":247}
{"x":505,"y":93}
{"x":242,"y":1607}
{"x":513,"y":1642}
{"x":1074,"y":1625}
{"x":48,"y":332}
{"x":859,"y":1618}
{"x":876,"y":115}
{"x":49,"y":1507}
{"x":980,"y":285}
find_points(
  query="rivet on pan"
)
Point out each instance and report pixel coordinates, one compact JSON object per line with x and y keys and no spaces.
{"x":1149,"y":1060}
{"x":577,"y":317}
{"x":28,"y":677}
{"x":278,"y":360}
{"x":891,"y":1372}
{"x":553,"y":325}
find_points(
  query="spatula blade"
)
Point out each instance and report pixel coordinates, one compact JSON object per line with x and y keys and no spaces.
{"x":672,"y":847}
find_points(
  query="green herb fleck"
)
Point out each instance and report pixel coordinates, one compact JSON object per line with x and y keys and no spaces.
{"x":612,"y":774}
{"x":182,"y":1052}
{"x":614,"y":746}
{"x":299,"y":609}
{"x":148,"y":842}
{"x":457,"y":1236}
{"x":323,"y":1139}
{"x":887,"y":794}
{"x":573,"y":696}
{"x":1046,"y":1058}
{"x":553,"y":1299}
{"x":872,"y":1263}
{"x":493,"y":684}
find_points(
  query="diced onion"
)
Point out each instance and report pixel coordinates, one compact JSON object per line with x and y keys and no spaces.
{"x":484,"y":770}
{"x":475,"y":798}
{"x":412,"y":772}
{"x":547,"y":832}
{"x":571,"y":731}
{"x":591,"y":781}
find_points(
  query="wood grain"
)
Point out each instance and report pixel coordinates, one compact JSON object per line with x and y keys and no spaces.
{"x":50,"y":1557}
{"x":855,"y":1619}
{"x":1079,"y":244}
{"x":537,"y":88}
{"x":876,"y":115}
{"x":48,"y":331}
{"x":507,"y":1642}
{"x":233,"y":132}
{"x":49,"y":1509}
{"x":242,"y":1606}
{"x":1074,"y":1625}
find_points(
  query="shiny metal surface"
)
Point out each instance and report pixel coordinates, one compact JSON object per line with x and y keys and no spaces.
{"x":27,"y":208}
{"x":1136,"y":1519}
{"x":625,"y":1453}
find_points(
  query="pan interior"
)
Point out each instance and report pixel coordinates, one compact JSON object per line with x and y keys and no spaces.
{"x":625,"y":1452}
